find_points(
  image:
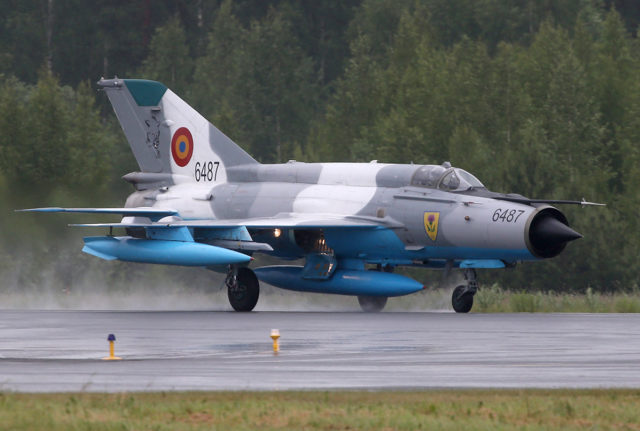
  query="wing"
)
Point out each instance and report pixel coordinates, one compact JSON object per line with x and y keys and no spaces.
{"x":283,"y":220}
{"x":152,"y":213}
{"x":202,"y":240}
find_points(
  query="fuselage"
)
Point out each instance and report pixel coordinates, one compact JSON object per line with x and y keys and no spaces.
{"x":426,"y":225}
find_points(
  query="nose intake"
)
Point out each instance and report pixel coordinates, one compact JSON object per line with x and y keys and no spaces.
{"x":549,"y":233}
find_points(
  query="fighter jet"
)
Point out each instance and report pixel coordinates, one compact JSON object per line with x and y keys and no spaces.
{"x":200,"y":200}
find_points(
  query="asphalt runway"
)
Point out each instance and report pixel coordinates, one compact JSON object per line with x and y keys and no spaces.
{"x":52,"y":351}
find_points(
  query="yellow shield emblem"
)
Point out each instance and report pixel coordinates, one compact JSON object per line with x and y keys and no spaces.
{"x":431,"y":224}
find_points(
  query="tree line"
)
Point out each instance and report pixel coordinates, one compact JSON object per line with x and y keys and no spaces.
{"x":533,"y":97}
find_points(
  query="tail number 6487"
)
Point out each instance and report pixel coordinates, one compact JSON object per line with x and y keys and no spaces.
{"x":206,"y":171}
{"x":508,"y":216}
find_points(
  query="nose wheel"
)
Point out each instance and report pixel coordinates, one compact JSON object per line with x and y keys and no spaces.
{"x":462,"y":297}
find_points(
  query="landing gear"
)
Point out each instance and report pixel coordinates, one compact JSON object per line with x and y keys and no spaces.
{"x":372,"y":304}
{"x":243,"y":288}
{"x":462,"y":298}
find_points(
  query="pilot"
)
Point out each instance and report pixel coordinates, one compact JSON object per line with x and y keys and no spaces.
{"x":428,"y":176}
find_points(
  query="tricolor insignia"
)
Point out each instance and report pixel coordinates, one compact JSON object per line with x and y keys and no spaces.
{"x":431,"y":224}
{"x":182,"y":146}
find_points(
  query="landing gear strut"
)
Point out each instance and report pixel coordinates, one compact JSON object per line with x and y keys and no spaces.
{"x":243,"y":288}
{"x":462,"y":298}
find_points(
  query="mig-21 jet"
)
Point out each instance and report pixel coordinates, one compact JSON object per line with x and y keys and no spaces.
{"x":200,"y":200}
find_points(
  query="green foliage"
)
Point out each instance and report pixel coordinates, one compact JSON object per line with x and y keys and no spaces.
{"x":169,"y":60}
{"x":211,"y":92}
{"x":489,"y":299}
{"x":13,"y":96}
{"x":274,"y":88}
{"x":52,"y":137}
{"x":494,"y":299}
{"x":525,"y":302}
{"x":89,"y":144}
{"x":44,"y":154}
{"x":257,"y":84}
{"x":627,"y":304}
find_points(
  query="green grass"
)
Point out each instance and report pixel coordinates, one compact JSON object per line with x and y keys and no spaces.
{"x":445,"y":410}
{"x":493,"y":299}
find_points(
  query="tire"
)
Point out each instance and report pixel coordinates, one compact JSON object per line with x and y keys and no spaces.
{"x":372,"y":304}
{"x":461,"y":302}
{"x":243,"y":296}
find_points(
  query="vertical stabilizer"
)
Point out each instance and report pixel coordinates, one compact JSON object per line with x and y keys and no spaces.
{"x":167,"y":135}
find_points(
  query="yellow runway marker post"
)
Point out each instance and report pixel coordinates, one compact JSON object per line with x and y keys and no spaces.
{"x":111,"y":339}
{"x":275,"y":334}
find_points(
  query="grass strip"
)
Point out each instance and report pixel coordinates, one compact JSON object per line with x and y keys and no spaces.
{"x":493,"y":299}
{"x":314,"y":410}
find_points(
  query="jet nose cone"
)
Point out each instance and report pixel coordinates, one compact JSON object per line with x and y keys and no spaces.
{"x":549,"y":232}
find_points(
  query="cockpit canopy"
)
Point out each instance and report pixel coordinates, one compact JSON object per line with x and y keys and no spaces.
{"x":444,"y":177}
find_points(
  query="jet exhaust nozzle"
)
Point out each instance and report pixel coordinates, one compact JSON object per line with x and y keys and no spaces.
{"x":548,"y":233}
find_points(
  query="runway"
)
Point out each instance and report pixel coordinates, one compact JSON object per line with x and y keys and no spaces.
{"x":52,"y":351}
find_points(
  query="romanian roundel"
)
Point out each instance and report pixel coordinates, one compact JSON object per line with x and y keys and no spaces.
{"x":182,"y":146}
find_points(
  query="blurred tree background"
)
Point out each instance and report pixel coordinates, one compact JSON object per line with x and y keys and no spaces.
{"x":535,"y":97}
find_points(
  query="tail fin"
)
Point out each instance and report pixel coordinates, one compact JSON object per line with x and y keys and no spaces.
{"x":167,"y":135}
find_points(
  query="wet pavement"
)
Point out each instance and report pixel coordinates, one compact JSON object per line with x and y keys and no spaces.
{"x":53,"y":351}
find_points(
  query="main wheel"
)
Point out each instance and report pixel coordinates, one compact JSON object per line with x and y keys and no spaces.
{"x":243,"y":294}
{"x":372,"y":304}
{"x":462,"y":302}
